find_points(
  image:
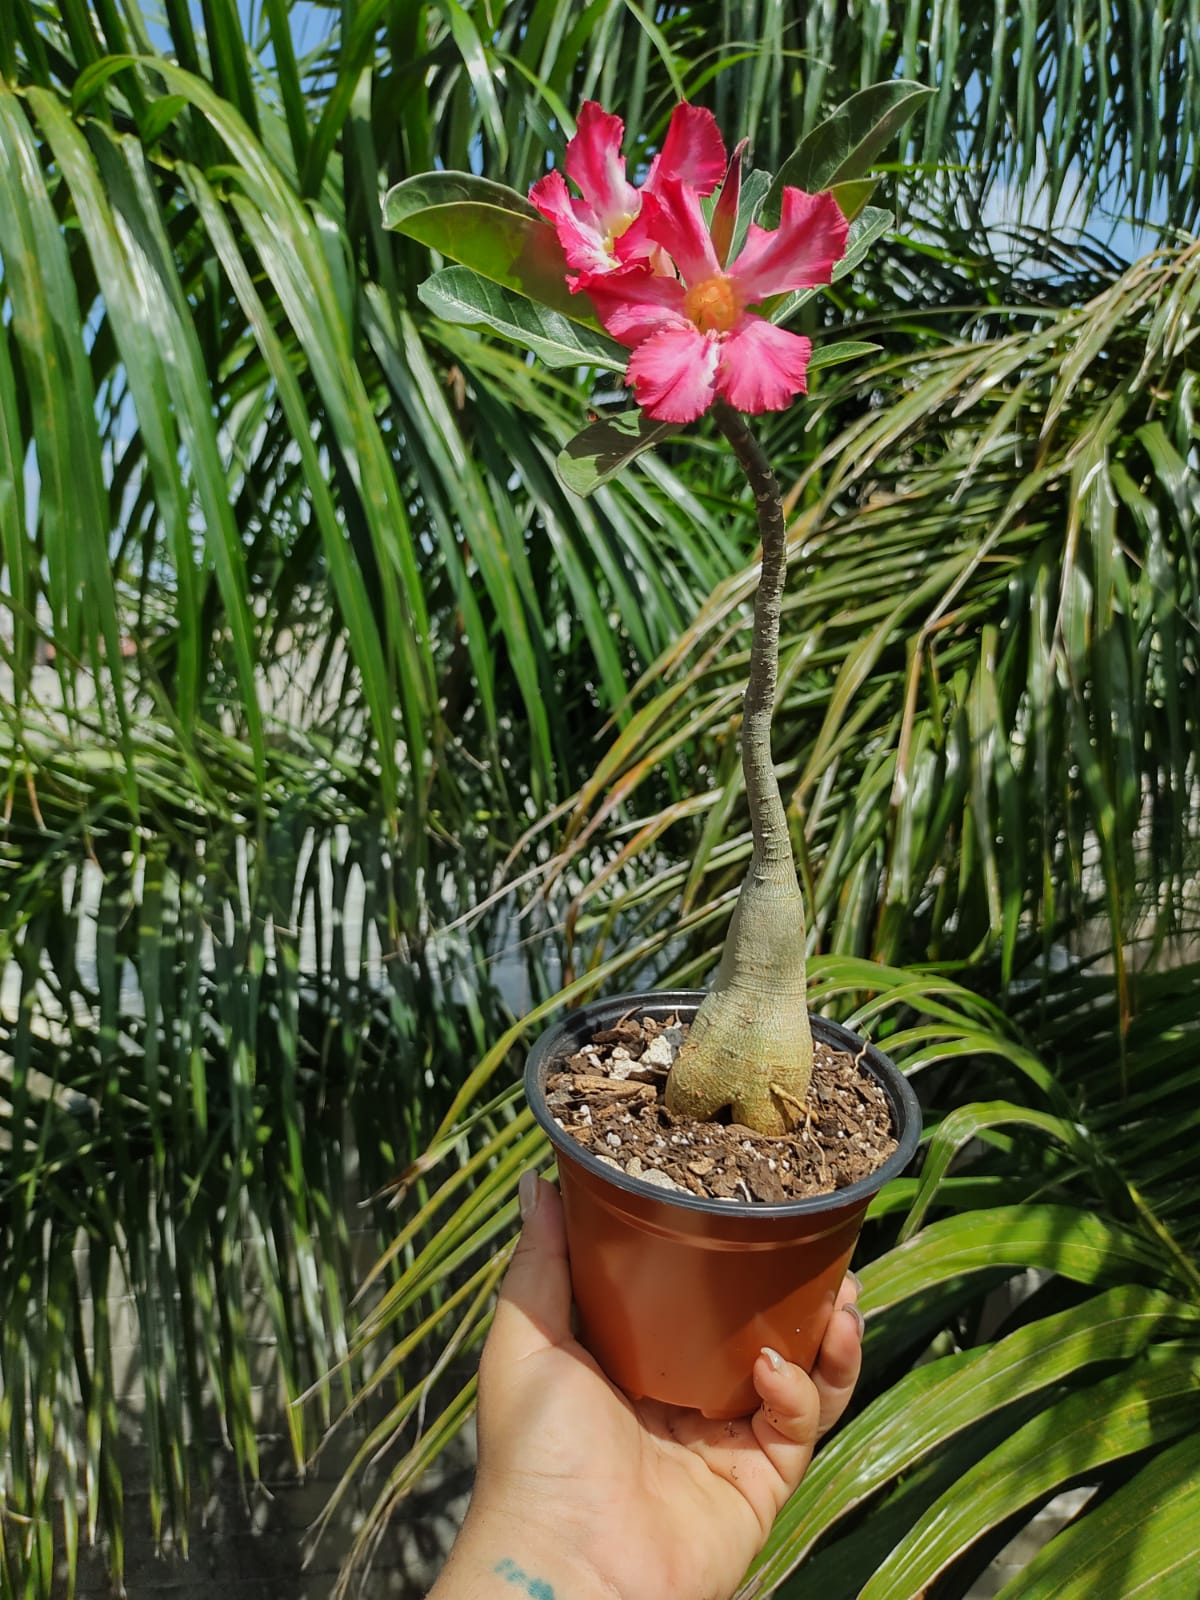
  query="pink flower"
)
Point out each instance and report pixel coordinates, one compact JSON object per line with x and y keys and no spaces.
{"x":605,"y":230}
{"x":693,"y":337}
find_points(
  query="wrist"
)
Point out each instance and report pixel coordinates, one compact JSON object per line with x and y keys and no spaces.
{"x":505,"y":1558}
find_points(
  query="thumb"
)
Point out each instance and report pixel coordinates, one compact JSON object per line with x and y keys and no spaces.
{"x":534,"y":1309}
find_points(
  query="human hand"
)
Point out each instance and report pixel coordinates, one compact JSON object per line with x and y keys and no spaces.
{"x":582,"y":1494}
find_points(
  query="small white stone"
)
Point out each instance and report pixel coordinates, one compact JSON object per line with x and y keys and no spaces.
{"x":613,"y":1140}
{"x":661,"y":1052}
{"x":609,"y":1162}
{"x":658,"y":1178}
{"x":634,"y":1167}
{"x":620,"y":1063}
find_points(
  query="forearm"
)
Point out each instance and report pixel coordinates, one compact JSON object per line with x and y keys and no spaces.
{"x":500,"y":1559}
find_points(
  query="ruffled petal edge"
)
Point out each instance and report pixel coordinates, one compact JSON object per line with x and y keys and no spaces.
{"x":798,"y":254}
{"x":762,"y":367}
{"x":674,"y":372}
{"x":692,"y":151}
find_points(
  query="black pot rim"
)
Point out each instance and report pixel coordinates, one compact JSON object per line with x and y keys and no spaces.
{"x":579,"y":1025}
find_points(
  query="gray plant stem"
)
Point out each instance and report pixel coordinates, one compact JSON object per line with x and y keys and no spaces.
{"x":768,"y":820}
{"x":750,"y":1044}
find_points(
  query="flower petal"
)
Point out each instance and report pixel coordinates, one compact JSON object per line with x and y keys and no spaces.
{"x":693,"y":151}
{"x":636,"y":245}
{"x":673,"y":374}
{"x":636,"y":304}
{"x":595,"y":164}
{"x":678,"y":225}
{"x":797,"y":254}
{"x":724,"y":217}
{"x":583,"y":244}
{"x":762,"y":367}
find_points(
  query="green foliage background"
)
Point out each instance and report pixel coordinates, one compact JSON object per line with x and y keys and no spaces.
{"x":323,"y":704}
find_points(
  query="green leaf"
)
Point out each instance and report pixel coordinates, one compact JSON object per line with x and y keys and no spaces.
{"x":753,"y":192}
{"x":94,"y":78}
{"x":832,"y":355}
{"x":1145,"y":1532}
{"x":120,"y":253}
{"x":491,"y":229}
{"x":159,"y":117}
{"x":436,"y":189}
{"x":842,"y":148}
{"x":48,"y":330}
{"x":604,"y":447}
{"x":1077,"y":1244}
{"x":479,"y":69}
{"x":1152,"y":1401}
{"x":870,"y":225}
{"x":966,"y":1123}
{"x":854,"y":195}
{"x":459,"y":295}
{"x":914,"y":1419}
{"x":856,"y":1546}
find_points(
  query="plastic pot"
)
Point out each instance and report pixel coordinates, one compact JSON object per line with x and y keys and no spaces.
{"x":677,"y":1294}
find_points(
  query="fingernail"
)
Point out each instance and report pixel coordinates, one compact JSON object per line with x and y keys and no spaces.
{"x":773,"y":1357}
{"x":856,"y":1281}
{"x":527,"y":1194}
{"x":858,"y":1318}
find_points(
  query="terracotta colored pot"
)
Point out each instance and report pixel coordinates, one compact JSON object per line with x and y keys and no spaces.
{"x":676,"y":1294}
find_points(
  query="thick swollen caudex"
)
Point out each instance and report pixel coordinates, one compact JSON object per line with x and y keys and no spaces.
{"x":750,"y":1045}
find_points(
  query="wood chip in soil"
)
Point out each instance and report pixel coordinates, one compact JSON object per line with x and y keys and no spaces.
{"x":611,"y":1098}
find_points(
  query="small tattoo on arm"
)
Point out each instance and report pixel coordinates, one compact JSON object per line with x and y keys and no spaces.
{"x":535,"y":1588}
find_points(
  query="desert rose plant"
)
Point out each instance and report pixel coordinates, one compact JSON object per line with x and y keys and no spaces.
{"x":692,"y":272}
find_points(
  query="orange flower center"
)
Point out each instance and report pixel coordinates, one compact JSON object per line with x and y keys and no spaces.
{"x":712,"y":304}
